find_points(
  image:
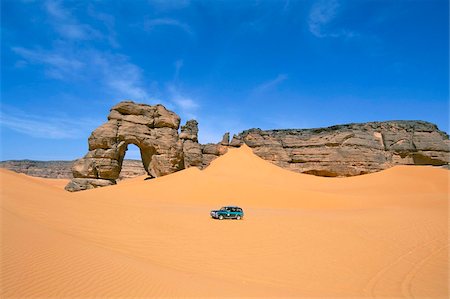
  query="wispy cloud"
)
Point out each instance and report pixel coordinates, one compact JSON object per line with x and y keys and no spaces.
{"x":187,"y":105}
{"x":169,"y":5}
{"x":68,"y":62}
{"x":46,"y":126}
{"x":56,"y":10}
{"x":178,"y":65}
{"x":320,"y":19}
{"x":67,"y":25}
{"x":271,"y":84}
{"x":59,"y":64}
{"x":109,"y":22}
{"x":122,"y":77}
{"x":114,"y":71}
{"x":151,"y":24}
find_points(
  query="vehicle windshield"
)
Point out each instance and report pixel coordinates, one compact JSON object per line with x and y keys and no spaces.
{"x":223,"y":209}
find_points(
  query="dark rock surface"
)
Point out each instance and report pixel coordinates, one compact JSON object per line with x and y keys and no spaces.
{"x":190,"y":131}
{"x":192,"y":151}
{"x":78,"y":184}
{"x":353,"y":149}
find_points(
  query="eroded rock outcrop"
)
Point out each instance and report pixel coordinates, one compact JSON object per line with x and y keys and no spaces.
{"x":196,"y":154}
{"x":153,"y":129}
{"x":43,"y":169}
{"x":63,"y":169}
{"x":192,"y":151}
{"x":353,"y":149}
{"x":343,"y":150}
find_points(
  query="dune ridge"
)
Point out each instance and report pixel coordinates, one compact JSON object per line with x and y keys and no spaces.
{"x":377,"y":235}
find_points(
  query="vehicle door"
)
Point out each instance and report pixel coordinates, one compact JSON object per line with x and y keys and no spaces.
{"x":230,"y":212}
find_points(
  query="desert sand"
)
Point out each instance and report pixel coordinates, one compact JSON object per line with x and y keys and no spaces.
{"x":371,"y":236}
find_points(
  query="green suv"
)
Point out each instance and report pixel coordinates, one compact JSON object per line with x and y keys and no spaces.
{"x":228,"y":212}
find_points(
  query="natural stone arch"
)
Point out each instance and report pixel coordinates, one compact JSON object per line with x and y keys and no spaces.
{"x":153,"y":129}
{"x":343,"y":150}
{"x":145,"y":153}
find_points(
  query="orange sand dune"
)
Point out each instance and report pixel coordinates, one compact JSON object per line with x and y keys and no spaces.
{"x":377,"y":235}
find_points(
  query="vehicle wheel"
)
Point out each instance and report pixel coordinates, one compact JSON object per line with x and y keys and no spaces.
{"x":220,"y":217}
{"x":238,"y":217}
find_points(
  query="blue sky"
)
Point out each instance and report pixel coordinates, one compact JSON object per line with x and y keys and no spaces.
{"x":232,"y":65}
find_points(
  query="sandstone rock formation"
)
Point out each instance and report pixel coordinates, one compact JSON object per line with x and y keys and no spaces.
{"x":131,"y":169}
{"x":353,"y":149}
{"x":196,"y":154}
{"x":43,"y":169}
{"x":343,"y":150}
{"x":153,"y":129}
{"x":225,"y":139}
{"x":192,"y":150}
{"x":63,"y":169}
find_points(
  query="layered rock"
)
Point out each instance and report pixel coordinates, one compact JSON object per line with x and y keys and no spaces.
{"x":192,"y":151}
{"x":196,"y":154}
{"x":353,"y":149}
{"x":343,"y":150}
{"x":153,"y":129}
{"x":212,"y":151}
{"x":131,"y":169}
{"x":43,"y":169}
{"x":63,"y":169}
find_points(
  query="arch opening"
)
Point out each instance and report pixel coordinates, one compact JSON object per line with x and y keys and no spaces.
{"x":133,"y":161}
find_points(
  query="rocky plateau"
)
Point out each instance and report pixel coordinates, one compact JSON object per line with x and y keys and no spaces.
{"x":63,"y":169}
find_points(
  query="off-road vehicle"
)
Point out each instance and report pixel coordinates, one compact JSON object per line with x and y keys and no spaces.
{"x":229,"y":212}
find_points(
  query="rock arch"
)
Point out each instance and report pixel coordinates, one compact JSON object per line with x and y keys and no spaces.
{"x":342,"y":150}
{"x":153,"y":129}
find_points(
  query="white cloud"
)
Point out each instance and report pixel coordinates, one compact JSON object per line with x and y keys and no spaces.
{"x":178,"y":65}
{"x":268,"y":85}
{"x":186,"y":104}
{"x":321,"y":15}
{"x":54,"y":9}
{"x":67,"y":25}
{"x":123,"y":79}
{"x":109,"y":22}
{"x":151,"y":24}
{"x":66,"y":61}
{"x":46,"y":126}
{"x":58,"y":64}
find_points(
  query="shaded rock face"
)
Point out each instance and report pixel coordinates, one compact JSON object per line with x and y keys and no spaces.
{"x":343,"y":150}
{"x":153,"y":129}
{"x":190,"y":131}
{"x":192,"y":152}
{"x":196,"y":154}
{"x":348,"y":150}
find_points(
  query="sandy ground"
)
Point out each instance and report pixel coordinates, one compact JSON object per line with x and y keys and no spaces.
{"x":377,"y":235}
